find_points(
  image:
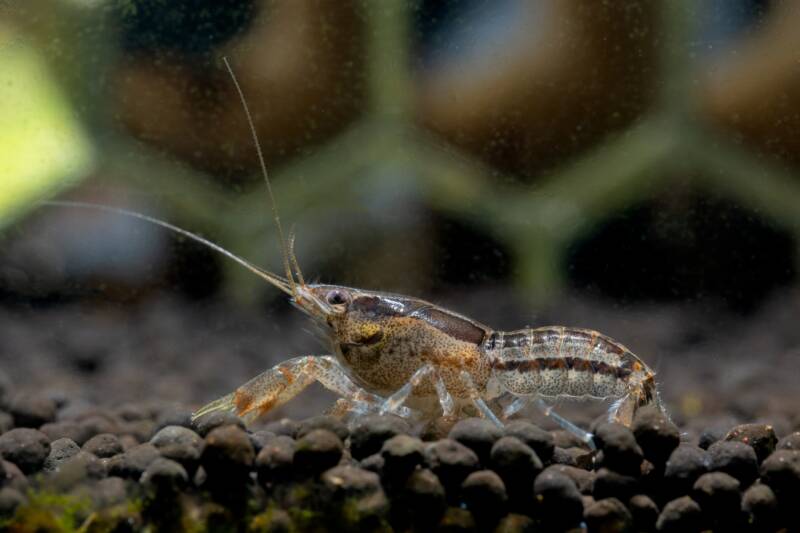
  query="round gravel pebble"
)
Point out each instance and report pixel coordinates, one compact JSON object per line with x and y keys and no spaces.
{"x":516,"y":523}
{"x":128,"y":442}
{"x":332,"y":424}
{"x":608,"y":484}
{"x":539,"y":440}
{"x":98,"y":423}
{"x":680,"y":515}
{"x":369,"y":434}
{"x":109,"y":492}
{"x":373,"y":463}
{"x":734,"y":458}
{"x":66,"y":429}
{"x":608,"y":514}
{"x":165,"y":476}
{"x":640,"y":479}
{"x":485,"y":495}
{"x":261,"y":438}
{"x":565,"y":439}
{"x":684,"y":466}
{"x":401,"y":455}
{"x":452,"y":462}
{"x":13,"y":477}
{"x":562,"y":457}
{"x":104,"y":445}
{"x":275,"y":461}
{"x":718,"y":495}
{"x":25,"y":447}
{"x":761,"y":506}
{"x":284,"y":426}
{"x":656,"y":435}
{"x":644,"y":512}
{"x":227,"y":455}
{"x":10,"y":499}
{"x":781,"y":471}
{"x":456,"y":520}
{"x":132,"y":463}
{"x":356,"y":496}
{"x":206,"y":424}
{"x":141,"y":430}
{"x":60,"y":451}
{"x":344,"y":481}
{"x":132,"y":411}
{"x":516,"y":464}
{"x":423,"y":498}
{"x":760,"y":436}
{"x":32,"y":410}
{"x":560,"y":505}
{"x":318,"y":451}
{"x":583,"y":479}
{"x":174,"y":416}
{"x":180,"y":444}
{"x":80,"y":467}
{"x":620,"y":451}
{"x":436,"y":429}
{"x":710,"y":435}
{"x":583,"y":458}
{"x":478,"y":434}
{"x":789,"y":442}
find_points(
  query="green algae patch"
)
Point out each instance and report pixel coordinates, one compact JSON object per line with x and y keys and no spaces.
{"x":271,"y":520}
{"x":50,"y":512}
{"x":43,"y":148}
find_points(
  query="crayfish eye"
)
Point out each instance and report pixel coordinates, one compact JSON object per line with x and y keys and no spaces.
{"x":336,"y":297}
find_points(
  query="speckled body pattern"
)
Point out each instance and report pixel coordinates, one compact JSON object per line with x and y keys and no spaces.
{"x":385,"y":344}
{"x":551,"y":361}
{"x":382,"y":342}
{"x":558,"y":361}
{"x":410,"y":338}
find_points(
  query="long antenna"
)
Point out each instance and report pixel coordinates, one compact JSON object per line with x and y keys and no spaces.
{"x":273,"y":205}
{"x":293,"y":257}
{"x":265,"y":274}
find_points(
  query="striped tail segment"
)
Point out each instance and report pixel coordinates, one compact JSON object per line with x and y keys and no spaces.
{"x":557,"y":361}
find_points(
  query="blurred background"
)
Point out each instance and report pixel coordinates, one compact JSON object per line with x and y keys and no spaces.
{"x":626,"y":166}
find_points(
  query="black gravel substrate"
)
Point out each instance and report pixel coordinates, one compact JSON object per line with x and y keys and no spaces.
{"x":95,"y":433}
{"x":141,"y":466}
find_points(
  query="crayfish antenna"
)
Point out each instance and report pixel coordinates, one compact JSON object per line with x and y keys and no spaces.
{"x":273,"y":205}
{"x":293,"y":258}
{"x":271,"y":278}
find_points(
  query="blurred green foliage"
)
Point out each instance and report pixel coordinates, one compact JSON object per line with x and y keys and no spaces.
{"x":536,"y":223}
{"x":43,"y":148}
